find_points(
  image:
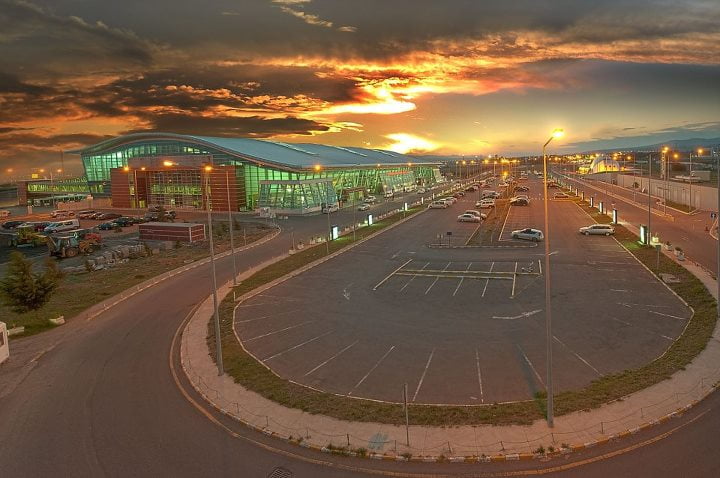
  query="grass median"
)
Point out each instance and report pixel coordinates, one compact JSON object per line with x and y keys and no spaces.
{"x":256,"y":377}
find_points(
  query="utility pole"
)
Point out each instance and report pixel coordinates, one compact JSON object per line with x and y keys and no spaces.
{"x":232,"y":240}
{"x":218,"y":342}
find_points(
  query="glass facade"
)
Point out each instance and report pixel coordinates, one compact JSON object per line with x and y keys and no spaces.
{"x":257,"y":185}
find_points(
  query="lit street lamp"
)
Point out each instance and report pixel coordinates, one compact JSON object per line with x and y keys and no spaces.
{"x":218,"y":343}
{"x":548,"y":312}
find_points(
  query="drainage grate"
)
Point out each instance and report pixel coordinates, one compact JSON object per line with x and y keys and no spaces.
{"x":280,"y":472}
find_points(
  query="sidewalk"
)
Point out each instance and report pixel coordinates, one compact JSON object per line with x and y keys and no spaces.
{"x":575,"y":431}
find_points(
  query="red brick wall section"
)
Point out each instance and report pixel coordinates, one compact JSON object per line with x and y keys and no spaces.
{"x":120,"y":188}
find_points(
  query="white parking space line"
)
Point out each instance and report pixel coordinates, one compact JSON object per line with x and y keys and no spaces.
{"x":391,"y":274}
{"x":427,"y":365}
{"x":297,"y":346}
{"x":622,"y":321}
{"x":371,"y":370}
{"x":537,"y":375}
{"x":667,"y":315}
{"x":331,"y":358}
{"x":413,"y":277}
{"x":437,"y":278}
{"x":514,"y":278}
{"x":477,"y":362}
{"x":267,"y":316}
{"x":281,"y":330}
{"x":487,"y":281}
{"x":578,"y":356}
{"x":461,"y":280}
{"x":666,"y":337}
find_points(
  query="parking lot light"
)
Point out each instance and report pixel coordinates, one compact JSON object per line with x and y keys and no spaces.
{"x":557,"y":133}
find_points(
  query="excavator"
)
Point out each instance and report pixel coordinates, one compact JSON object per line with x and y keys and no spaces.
{"x":79,"y":242}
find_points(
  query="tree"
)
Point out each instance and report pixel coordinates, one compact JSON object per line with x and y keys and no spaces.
{"x":24,"y":290}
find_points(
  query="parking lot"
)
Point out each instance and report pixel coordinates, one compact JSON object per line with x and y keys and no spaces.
{"x":462,"y":326}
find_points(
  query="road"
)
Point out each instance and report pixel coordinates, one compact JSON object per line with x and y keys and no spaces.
{"x":102,"y":401}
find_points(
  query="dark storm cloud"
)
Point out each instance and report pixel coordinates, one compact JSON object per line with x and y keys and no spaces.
{"x":35,"y":39}
{"x":51,"y":142}
{"x":254,"y":126}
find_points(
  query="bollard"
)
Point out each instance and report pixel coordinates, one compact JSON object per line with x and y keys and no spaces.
{"x":348,"y":439}
{"x":267,"y":422}
{"x":502,"y":447}
{"x":602,"y":429}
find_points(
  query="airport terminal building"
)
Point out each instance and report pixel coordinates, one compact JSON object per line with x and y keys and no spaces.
{"x":143,"y":169}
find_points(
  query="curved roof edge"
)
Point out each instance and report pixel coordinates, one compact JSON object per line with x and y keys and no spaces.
{"x":271,"y":153}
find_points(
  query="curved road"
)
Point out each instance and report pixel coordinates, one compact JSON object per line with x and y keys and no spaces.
{"x":102,"y":401}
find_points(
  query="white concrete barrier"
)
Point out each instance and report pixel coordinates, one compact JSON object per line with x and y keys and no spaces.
{"x":4,"y":343}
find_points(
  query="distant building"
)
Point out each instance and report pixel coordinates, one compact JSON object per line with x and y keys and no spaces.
{"x":145,"y":169}
{"x":603,"y":164}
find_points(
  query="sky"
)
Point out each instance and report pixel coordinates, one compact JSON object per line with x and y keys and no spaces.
{"x":418,"y":76}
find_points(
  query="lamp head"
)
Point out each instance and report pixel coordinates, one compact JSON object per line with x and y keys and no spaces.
{"x":558,"y":133}
{"x":208,"y":168}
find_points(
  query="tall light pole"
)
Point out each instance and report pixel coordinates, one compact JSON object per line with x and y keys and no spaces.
{"x":699,"y":152}
{"x":548,"y":312}
{"x":230,"y":219}
{"x":218,"y":343}
{"x":649,"y":235}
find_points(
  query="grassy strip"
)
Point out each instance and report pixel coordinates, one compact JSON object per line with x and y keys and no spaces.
{"x":492,"y":225}
{"x":78,"y":292}
{"x":254,"y":376}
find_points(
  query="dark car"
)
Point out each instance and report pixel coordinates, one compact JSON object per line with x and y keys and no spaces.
{"x":108,"y":216}
{"x":522,"y":189}
{"x":553,"y":185}
{"x":155,"y":216}
{"x":519,"y":202}
{"x":107,"y":226}
{"x":126,"y":221}
{"x":11,"y":224}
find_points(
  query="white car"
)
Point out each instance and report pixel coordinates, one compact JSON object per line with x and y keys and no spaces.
{"x":438,"y":205}
{"x":560,"y":196}
{"x":450,"y":200}
{"x":421,"y":190}
{"x":469,"y":218}
{"x":62,"y":213}
{"x":363,"y":207}
{"x":490,"y":194}
{"x":602,"y":229}
{"x":330,"y":208}
{"x":389,"y":194}
{"x":476,"y":213}
{"x":528,"y":234}
{"x":370,"y":199}
{"x":486,"y":203}
{"x":503,"y":185}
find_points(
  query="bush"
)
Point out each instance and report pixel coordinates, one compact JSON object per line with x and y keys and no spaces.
{"x":24,"y":290}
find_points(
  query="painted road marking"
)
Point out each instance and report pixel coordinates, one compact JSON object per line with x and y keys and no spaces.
{"x":267,"y":316}
{"x":512,"y":293}
{"x":521,"y":316}
{"x":487,"y":281}
{"x":427,"y":365}
{"x":437,"y":278}
{"x":622,"y":321}
{"x":413,"y":277}
{"x":578,"y":356}
{"x":666,"y":337}
{"x":331,"y":358}
{"x":477,"y":362}
{"x":537,"y":375}
{"x":371,"y":370}
{"x":297,"y":346}
{"x":391,"y":274}
{"x":667,"y":315}
{"x":281,"y":330}
{"x":461,"y":280}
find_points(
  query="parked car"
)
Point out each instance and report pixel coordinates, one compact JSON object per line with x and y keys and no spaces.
{"x":107,"y":226}
{"x":388,"y":194}
{"x":4,"y":213}
{"x":450,"y":200}
{"x":490,"y":194}
{"x":37,"y":226}
{"x":523,"y":189}
{"x":370,"y":199}
{"x":560,"y":196}
{"x":528,"y":234}
{"x":553,"y":185}
{"x":11,"y":224}
{"x":421,"y":190}
{"x":476,"y":213}
{"x":62,"y":213}
{"x":486,"y":203}
{"x":328,"y":208}
{"x":438,"y":205}
{"x":516,"y":201}
{"x":468,"y":218}
{"x":602,"y":229}
{"x":60,"y":226}
{"x":107,"y":216}
{"x":125,"y":221}
{"x":459,"y":194}
{"x":95,"y":215}
{"x":86,"y":213}
{"x":363,"y":207}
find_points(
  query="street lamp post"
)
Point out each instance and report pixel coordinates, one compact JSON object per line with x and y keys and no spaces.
{"x":218,"y":343}
{"x":232,"y":240}
{"x":548,"y":312}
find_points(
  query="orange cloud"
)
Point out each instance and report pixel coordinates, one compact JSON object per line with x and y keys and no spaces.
{"x":409,"y":143}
